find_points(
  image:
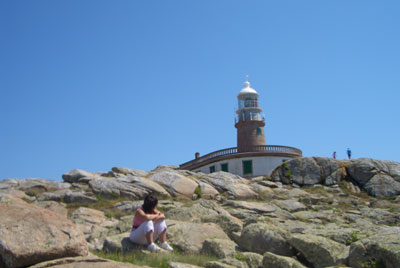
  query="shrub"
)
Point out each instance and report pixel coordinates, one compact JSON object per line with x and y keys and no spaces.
{"x":198,"y":191}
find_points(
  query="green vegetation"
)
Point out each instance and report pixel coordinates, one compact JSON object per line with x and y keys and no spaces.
{"x":198,"y":191}
{"x":353,"y":237}
{"x":314,"y":190}
{"x":240,"y":257}
{"x":156,"y":259}
{"x":103,"y":204}
{"x":373,"y":264}
{"x":286,"y":170}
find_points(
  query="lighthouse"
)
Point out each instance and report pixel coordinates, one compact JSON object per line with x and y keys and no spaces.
{"x":249,"y":120}
{"x":251,"y":157}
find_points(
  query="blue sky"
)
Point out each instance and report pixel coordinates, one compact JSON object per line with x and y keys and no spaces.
{"x":97,"y":84}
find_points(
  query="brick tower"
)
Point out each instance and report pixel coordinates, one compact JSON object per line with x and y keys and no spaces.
{"x":249,"y":121}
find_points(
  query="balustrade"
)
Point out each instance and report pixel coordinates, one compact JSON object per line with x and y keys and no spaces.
{"x":234,"y":150}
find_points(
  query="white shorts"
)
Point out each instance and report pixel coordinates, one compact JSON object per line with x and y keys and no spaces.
{"x":138,"y":236}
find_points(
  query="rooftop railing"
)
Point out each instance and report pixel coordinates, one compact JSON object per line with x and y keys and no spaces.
{"x":234,"y":150}
{"x":249,"y":117}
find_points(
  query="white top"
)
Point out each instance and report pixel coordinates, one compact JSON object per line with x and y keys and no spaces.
{"x":247,"y":89}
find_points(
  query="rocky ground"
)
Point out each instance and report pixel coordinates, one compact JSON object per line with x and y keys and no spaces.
{"x":311,"y":212}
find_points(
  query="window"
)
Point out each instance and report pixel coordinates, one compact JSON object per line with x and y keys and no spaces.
{"x":224,"y":167}
{"x":212,"y":169}
{"x":247,"y":167}
{"x":259,"y":131}
{"x":248,"y":102}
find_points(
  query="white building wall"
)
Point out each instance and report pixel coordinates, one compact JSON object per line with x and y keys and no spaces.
{"x":262,"y":165}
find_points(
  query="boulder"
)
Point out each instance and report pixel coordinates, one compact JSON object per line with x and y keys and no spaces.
{"x":75,"y":175}
{"x":30,"y":234}
{"x":85,"y":215}
{"x":129,"y":171}
{"x":363,"y":169}
{"x":57,"y":196}
{"x":320,"y":251}
{"x":94,"y":224}
{"x":182,"y":265}
{"x":272,"y":260}
{"x":207,"y":191}
{"x":120,"y":243}
{"x":128,"y":206}
{"x":253,"y":260}
{"x":189,"y":237}
{"x":260,"y":238}
{"x":84,"y":262}
{"x":67,"y":196}
{"x":148,"y":186}
{"x":228,"y":223}
{"x":165,"y":167}
{"x":269,"y":184}
{"x":330,"y":170}
{"x":241,"y":191}
{"x":382,"y":186}
{"x":260,"y":207}
{"x":17,"y":194}
{"x":265,"y":192}
{"x":112,"y":188}
{"x":302,"y":171}
{"x":220,"y":248}
{"x":290,"y":205}
{"x":220,"y":180}
{"x":8,"y":184}
{"x":56,"y":207}
{"x":192,"y":213}
{"x":218,"y":264}
{"x":383,"y":249}
{"x":177,"y":185}
{"x":34,"y":186}
{"x":394,"y":169}
{"x":233,"y":185}
{"x":234,"y":262}
{"x":78,"y":197}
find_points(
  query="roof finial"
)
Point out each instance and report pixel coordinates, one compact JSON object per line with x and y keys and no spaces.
{"x":247,"y":83}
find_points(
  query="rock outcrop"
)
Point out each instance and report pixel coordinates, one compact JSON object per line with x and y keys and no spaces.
{"x":30,"y":234}
{"x":378,"y":178}
{"x":312,"y":212}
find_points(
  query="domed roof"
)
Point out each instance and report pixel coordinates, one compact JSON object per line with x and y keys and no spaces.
{"x":247,"y":90}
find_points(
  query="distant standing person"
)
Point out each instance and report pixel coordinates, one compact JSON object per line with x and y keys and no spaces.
{"x":349,"y":153}
{"x":334,"y":155}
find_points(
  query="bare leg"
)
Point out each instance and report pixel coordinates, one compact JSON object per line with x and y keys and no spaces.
{"x":149,"y":237}
{"x":163,"y":236}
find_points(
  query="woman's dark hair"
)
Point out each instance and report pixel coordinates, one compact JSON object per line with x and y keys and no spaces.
{"x":150,"y":202}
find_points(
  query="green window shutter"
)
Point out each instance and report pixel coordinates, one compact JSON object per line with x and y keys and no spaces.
{"x":224,"y":167}
{"x":259,"y":132}
{"x":212,"y":169}
{"x":247,"y":167}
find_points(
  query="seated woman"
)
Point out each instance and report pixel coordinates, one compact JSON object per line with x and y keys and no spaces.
{"x":149,"y":225}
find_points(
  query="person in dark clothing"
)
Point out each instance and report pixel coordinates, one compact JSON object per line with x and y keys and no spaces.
{"x":349,"y":153}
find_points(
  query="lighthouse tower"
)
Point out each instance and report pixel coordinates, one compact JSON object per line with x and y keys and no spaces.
{"x":249,"y":121}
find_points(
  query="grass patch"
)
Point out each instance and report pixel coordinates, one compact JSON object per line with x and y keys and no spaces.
{"x":198,"y":191}
{"x":102,"y":204}
{"x":157,"y":259}
{"x":373,"y":264}
{"x":353,"y":238}
{"x":315,"y":190}
{"x":240,"y":257}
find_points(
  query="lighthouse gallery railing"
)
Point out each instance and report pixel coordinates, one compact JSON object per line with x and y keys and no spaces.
{"x":234,"y":150}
